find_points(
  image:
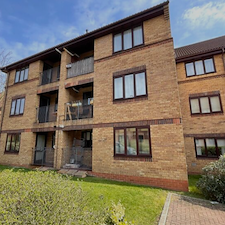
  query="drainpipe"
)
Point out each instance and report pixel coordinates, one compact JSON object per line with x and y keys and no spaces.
{"x":223,"y":50}
{"x":5,"y":98}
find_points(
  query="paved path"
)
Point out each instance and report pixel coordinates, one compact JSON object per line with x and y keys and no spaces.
{"x":182,"y":210}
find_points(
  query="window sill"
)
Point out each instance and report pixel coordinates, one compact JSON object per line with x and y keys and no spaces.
{"x":128,"y":50}
{"x":11,"y":153}
{"x":200,"y":74}
{"x":20,"y":82}
{"x":207,"y":114}
{"x":207,"y":158}
{"x":138,"y":98}
{"x":16,"y":115}
{"x":133,"y":158}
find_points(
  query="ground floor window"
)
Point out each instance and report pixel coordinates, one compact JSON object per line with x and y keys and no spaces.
{"x":133,"y":141}
{"x":209,"y":147}
{"x":12,"y":143}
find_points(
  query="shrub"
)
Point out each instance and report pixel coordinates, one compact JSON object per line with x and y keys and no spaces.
{"x":116,"y":215}
{"x":46,"y":198}
{"x":43,"y":198}
{"x":212,"y":182}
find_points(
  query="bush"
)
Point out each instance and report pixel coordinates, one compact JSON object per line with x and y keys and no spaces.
{"x":116,"y":215}
{"x":212,"y":182}
{"x":46,"y":198}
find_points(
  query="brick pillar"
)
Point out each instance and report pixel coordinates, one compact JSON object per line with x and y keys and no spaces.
{"x":63,"y":97}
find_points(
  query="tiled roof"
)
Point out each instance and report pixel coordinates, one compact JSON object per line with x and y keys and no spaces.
{"x":200,"y":48}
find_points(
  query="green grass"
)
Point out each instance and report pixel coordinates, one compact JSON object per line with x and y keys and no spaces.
{"x":143,"y":204}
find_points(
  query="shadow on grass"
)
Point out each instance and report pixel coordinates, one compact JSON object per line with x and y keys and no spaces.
{"x":98,"y":180}
{"x":193,"y":190}
{"x":14,"y":169}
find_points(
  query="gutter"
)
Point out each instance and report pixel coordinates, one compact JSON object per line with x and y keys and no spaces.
{"x":198,"y":56}
{"x":223,"y":50}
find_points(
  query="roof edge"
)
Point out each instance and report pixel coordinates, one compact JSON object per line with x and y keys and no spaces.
{"x":198,"y":55}
{"x":92,"y":34}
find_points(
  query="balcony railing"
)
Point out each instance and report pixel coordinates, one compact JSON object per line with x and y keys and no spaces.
{"x":50,"y":75}
{"x":79,"y":109}
{"x":44,"y":156}
{"x":80,"y":67}
{"x":46,"y":114}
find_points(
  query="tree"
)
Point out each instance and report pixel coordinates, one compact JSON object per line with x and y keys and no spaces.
{"x":5,"y":58}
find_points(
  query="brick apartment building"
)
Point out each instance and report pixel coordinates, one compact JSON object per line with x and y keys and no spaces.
{"x":201,"y":80}
{"x":116,"y":101}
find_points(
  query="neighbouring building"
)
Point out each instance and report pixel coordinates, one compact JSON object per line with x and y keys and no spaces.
{"x":201,"y":80}
{"x":117,"y":102}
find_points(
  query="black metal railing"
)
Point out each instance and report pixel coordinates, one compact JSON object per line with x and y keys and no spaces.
{"x":50,"y":75}
{"x":46,"y":114}
{"x":44,"y":156}
{"x":80,"y":67}
{"x":79,"y":109}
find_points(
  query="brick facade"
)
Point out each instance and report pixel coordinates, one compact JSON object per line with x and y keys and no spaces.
{"x":159,"y":109}
{"x":201,"y":126}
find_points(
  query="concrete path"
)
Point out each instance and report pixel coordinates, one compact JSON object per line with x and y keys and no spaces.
{"x":183,"y":210}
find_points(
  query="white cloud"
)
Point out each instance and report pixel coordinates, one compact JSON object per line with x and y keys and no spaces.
{"x":205,"y":16}
{"x":88,"y":14}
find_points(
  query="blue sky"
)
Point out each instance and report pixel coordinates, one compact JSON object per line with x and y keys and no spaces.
{"x":30,"y":26}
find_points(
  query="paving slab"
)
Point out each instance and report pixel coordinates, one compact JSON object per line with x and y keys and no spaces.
{"x":183,"y":210}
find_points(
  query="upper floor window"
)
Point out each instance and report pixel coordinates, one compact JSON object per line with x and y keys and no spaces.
{"x":17,"y":106}
{"x":12,"y":143}
{"x":128,"y":39}
{"x":130,"y":86}
{"x":205,"y":104}
{"x":133,"y":141}
{"x":200,"y":67}
{"x":209,"y":147}
{"x":21,"y":75}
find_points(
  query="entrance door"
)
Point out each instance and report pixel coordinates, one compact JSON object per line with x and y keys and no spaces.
{"x":39,"y":157}
{"x":43,"y":109}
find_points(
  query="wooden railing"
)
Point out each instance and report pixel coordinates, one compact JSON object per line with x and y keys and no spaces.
{"x":80,"y":67}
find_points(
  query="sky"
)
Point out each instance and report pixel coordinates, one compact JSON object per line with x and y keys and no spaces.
{"x":30,"y":26}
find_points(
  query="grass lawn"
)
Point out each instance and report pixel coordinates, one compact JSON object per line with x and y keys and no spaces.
{"x":143,"y":204}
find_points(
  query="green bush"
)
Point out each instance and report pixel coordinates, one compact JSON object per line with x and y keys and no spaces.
{"x":116,"y":215}
{"x":212,"y":182}
{"x":47,"y":198}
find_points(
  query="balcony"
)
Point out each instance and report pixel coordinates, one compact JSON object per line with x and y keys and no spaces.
{"x":50,"y":75}
{"x":79,"y":109}
{"x":44,"y":156}
{"x":46,"y":114}
{"x":80,"y":67}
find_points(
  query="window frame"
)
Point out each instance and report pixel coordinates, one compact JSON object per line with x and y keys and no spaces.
{"x":16,"y":99}
{"x":210,"y":106}
{"x":132,"y":38}
{"x":20,"y":72}
{"x":216,"y":145}
{"x":202,"y":59}
{"x":134,"y":82}
{"x":125,"y":142}
{"x":12,"y":151}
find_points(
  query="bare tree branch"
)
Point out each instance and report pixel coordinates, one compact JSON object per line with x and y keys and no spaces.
{"x":5,"y":58}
